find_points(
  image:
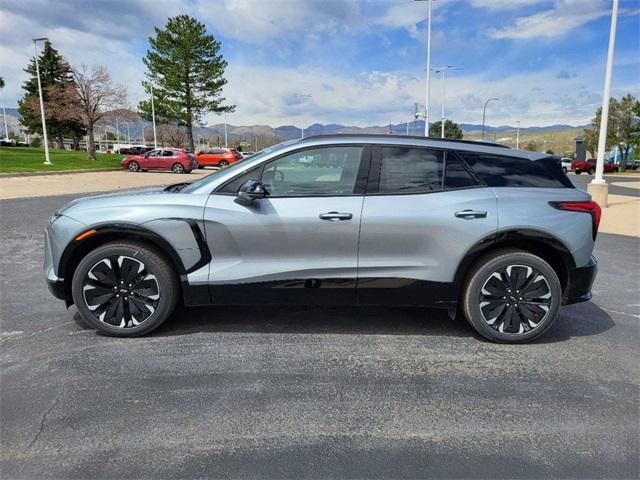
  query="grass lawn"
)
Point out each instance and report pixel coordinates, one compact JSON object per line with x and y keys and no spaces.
{"x":19,"y":159}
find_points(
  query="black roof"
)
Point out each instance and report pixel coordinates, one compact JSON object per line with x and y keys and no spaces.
{"x":414,"y":137}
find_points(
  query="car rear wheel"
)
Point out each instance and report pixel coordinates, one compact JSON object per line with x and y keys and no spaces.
{"x":124,"y":289}
{"x":511,"y":296}
{"x":134,"y":166}
{"x":223,"y":163}
{"x":590,"y":171}
{"x":564,"y":169}
{"x":177,"y":168}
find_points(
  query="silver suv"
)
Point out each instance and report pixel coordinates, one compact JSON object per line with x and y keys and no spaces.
{"x":498,"y":235}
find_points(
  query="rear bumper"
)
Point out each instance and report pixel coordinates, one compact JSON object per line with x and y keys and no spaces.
{"x":579,"y":283}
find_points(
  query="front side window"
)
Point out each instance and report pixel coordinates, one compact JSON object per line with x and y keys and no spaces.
{"x":324,"y":171}
{"x":410,"y":170}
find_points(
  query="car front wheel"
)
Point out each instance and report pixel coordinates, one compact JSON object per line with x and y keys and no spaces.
{"x":590,"y":171}
{"x":124,"y":289}
{"x":511,"y":296}
{"x":223,"y":163}
{"x":134,"y":166}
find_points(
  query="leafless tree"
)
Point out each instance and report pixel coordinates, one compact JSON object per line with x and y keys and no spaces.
{"x":93,"y":99}
{"x":173,"y":136}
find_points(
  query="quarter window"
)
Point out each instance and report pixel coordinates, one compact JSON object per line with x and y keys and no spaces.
{"x":326,"y":171}
{"x":410,"y":170}
{"x":498,"y":171}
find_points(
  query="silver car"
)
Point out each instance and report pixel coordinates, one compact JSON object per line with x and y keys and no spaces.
{"x":499,"y":236}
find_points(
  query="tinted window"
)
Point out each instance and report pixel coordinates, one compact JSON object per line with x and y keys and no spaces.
{"x":410,"y":170}
{"x":167,"y":153}
{"x":316,"y":172}
{"x":456,"y":175}
{"x":497,"y":171}
{"x":216,"y":152}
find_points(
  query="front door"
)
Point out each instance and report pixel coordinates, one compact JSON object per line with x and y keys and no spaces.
{"x":300,"y":243}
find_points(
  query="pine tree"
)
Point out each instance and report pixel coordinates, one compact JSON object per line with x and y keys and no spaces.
{"x":451,"y":130}
{"x":187,"y":73}
{"x":55,"y":76}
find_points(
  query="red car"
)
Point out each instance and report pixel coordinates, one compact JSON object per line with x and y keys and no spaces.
{"x":589,"y":166}
{"x":218,"y":157}
{"x":173,"y":159}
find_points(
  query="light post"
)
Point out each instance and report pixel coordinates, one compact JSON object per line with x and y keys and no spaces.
{"x":47,"y":161}
{"x":302,"y":96}
{"x":153,"y":118}
{"x":484,"y":113}
{"x":428,"y":89}
{"x":4,"y":114}
{"x":442,"y":71}
{"x":598,"y":187}
{"x":226,"y":140}
{"x":128,"y":136}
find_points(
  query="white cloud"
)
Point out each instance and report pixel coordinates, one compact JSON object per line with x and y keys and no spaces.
{"x":565,"y":16}
{"x":503,"y":4}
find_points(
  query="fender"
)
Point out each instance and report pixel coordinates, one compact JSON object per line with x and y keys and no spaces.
{"x":517,"y":237}
{"x":76,"y":249}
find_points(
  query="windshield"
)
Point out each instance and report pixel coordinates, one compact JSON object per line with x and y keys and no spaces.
{"x":239,"y":165}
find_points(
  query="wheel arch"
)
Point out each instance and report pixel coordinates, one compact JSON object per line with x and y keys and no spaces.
{"x":77,"y":249}
{"x":539,"y":243}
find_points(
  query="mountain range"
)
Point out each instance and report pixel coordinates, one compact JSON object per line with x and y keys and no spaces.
{"x":290,"y":132}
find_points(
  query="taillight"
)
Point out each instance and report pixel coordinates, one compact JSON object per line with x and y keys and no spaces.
{"x":591,"y":208}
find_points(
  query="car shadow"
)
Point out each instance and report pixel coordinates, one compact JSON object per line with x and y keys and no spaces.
{"x":585,"y":319}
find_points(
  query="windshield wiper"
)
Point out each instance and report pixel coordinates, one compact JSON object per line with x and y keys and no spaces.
{"x":176,"y":187}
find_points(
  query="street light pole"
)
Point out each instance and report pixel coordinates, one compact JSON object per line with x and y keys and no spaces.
{"x":225,"y":131}
{"x":484,"y":113}
{"x":153,"y":118}
{"x":302,"y":96}
{"x":47,"y":161}
{"x":428,"y":89}
{"x":598,"y":187}
{"x":442,"y":71}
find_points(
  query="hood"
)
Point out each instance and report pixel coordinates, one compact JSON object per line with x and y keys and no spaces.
{"x":122,"y":194}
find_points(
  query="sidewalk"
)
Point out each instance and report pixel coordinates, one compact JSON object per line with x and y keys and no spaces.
{"x":622,"y":217}
{"x":87,"y":182}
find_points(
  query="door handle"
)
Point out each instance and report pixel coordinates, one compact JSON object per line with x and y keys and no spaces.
{"x":471,"y":214}
{"x":335,"y":216}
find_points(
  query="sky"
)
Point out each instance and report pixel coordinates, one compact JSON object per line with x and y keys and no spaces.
{"x":362,"y":61}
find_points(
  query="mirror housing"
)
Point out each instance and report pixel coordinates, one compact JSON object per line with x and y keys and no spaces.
{"x":250,"y":191}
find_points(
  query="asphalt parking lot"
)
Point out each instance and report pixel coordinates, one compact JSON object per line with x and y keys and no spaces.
{"x":313,"y":392}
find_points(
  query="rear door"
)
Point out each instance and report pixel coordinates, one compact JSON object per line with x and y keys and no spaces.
{"x":300,"y":243}
{"x":418,"y":224}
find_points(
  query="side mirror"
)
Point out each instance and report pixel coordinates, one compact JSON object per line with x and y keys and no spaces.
{"x":250,"y":191}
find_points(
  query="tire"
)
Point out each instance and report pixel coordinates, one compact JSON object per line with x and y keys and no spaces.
{"x":590,"y":171}
{"x":200,"y":167}
{"x":515,"y":321}
{"x":564,"y":169}
{"x":616,"y":170}
{"x":177,"y":168}
{"x":133,"y":166}
{"x":578,"y":172}
{"x":223,"y":163}
{"x":187,"y":171}
{"x":141,"y":304}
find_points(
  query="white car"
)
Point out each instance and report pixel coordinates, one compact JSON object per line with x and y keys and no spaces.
{"x":565,"y":163}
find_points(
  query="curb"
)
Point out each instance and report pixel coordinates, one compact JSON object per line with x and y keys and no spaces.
{"x":58,"y":172}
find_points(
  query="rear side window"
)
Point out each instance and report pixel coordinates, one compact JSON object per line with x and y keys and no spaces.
{"x":456,"y":175}
{"x":410,"y":170}
{"x":499,"y":171}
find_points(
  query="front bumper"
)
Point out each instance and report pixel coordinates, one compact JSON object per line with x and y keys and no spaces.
{"x":579,"y":283}
{"x":56,"y":287}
